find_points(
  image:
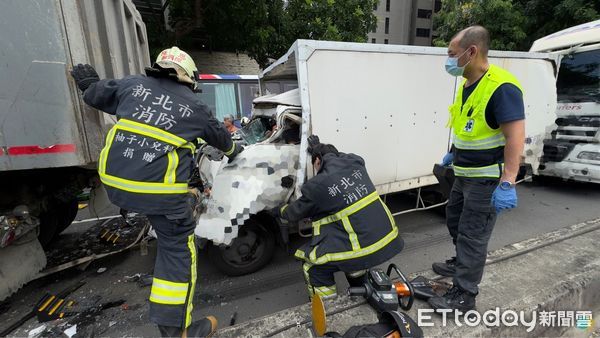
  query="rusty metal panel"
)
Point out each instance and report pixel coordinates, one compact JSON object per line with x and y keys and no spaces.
{"x":43,"y":122}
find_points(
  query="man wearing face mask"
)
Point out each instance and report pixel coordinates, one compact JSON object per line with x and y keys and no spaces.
{"x":353,"y":230}
{"x":488,"y":123}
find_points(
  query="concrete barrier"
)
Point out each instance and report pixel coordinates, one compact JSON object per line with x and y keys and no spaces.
{"x":558,"y":271}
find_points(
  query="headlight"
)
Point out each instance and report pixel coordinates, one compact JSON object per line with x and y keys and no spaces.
{"x":589,"y":155}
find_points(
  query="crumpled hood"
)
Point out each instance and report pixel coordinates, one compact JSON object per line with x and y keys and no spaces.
{"x":252,"y":183}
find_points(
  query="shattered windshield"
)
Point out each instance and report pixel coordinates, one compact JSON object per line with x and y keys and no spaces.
{"x":579,"y":77}
{"x":254,"y":132}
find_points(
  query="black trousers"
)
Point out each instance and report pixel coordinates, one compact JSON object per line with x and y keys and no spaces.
{"x":174,"y":279}
{"x":470,"y":218}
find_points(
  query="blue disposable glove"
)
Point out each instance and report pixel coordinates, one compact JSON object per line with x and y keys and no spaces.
{"x":504,"y":199}
{"x":447,"y":160}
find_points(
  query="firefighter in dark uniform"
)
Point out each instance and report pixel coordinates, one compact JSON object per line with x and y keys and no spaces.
{"x":353,"y":230}
{"x":145,"y":166}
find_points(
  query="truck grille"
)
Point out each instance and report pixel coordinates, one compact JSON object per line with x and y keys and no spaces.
{"x":555,"y":151}
{"x":577,"y":129}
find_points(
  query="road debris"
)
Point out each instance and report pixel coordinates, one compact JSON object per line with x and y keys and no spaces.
{"x":71,"y":331}
{"x":101,"y":270}
{"x":36,"y":332}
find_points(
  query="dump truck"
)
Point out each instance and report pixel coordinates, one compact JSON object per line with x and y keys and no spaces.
{"x":49,"y":139}
{"x":386,"y":103}
{"x":572,"y":149}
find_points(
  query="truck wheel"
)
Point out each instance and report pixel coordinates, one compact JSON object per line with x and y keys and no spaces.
{"x":67,"y":215}
{"x":53,"y":221}
{"x":249,"y":252}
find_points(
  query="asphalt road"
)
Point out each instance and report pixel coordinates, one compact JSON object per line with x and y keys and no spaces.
{"x":542,"y":208}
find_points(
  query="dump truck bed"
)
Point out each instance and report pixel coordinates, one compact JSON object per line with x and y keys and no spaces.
{"x":43,"y":122}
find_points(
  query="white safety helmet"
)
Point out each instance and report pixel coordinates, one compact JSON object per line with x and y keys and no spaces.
{"x":181,"y":62}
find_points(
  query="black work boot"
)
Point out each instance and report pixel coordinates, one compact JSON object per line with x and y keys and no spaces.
{"x":204,"y":327}
{"x":445,"y":269}
{"x":455,"y":299}
{"x":170,"y":331}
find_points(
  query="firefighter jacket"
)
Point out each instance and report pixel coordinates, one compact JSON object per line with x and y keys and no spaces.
{"x":352,"y":227}
{"x":148,"y":156}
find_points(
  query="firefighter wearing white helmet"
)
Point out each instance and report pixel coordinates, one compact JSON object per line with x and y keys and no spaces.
{"x":145,"y":167}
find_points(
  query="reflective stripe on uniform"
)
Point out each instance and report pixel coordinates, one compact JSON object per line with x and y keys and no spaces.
{"x":146,"y":130}
{"x":167,"y":292}
{"x":230,"y":151}
{"x":323,"y":291}
{"x":483,"y":144}
{"x":143,"y":187}
{"x":344,"y":213}
{"x":351,"y":234}
{"x":340,"y":256}
{"x":491,"y":171}
{"x":169,"y":185}
{"x":190,"y":306}
{"x":171,"y":172}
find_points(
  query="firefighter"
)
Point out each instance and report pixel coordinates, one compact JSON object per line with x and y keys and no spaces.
{"x":145,"y":166}
{"x":353,"y":230}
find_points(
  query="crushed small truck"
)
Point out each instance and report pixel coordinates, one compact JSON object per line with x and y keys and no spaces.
{"x":387,"y":103}
{"x":49,"y":139}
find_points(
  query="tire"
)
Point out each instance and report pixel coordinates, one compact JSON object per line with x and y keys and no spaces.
{"x":249,"y":252}
{"x":68,"y":213}
{"x":55,"y":220}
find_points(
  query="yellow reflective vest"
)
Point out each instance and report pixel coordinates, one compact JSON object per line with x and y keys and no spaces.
{"x":471,"y":131}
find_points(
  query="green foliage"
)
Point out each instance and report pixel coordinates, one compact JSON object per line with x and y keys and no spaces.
{"x":264,"y":29}
{"x":502,"y":18}
{"x":513,"y":24}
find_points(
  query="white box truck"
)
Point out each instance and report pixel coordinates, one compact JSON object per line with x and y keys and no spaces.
{"x":386,"y":103}
{"x":572,"y":150}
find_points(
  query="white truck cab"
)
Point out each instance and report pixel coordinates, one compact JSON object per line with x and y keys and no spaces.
{"x":572,"y":150}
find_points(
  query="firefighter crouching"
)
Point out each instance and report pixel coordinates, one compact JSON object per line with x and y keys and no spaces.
{"x":353,"y":230}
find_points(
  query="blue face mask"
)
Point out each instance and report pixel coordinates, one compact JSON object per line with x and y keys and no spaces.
{"x":452,"y":66}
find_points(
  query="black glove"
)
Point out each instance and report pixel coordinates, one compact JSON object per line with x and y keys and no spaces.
{"x":238,"y":149}
{"x":313,"y":140}
{"x":84,"y":76}
{"x":287,"y":181}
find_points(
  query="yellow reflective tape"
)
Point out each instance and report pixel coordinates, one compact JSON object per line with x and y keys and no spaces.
{"x":189,"y":146}
{"x":146,"y":130}
{"x":46,"y":303}
{"x":299,"y":254}
{"x":488,"y":143}
{"x":351,"y":234}
{"x":167,"y":292}
{"x":190,"y":305}
{"x":166,"y":300}
{"x":143,"y":187}
{"x":175,"y":286}
{"x":158,"y":291}
{"x":325,"y":291}
{"x":356,"y":206}
{"x":339,"y":256}
{"x":490,"y":171}
{"x":58,"y":304}
{"x":104,"y":153}
{"x":230,"y":151}
{"x":353,"y":208}
{"x":282,"y":209}
{"x":170,"y":174}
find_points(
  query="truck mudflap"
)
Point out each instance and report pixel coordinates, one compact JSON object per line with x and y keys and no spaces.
{"x":20,"y":263}
{"x":248,"y":185}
